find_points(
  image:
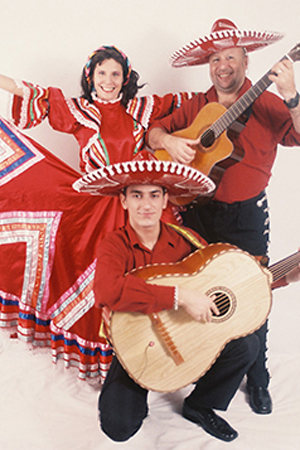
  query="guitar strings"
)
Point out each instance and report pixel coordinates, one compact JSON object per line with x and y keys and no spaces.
{"x":222,"y":302}
{"x":240,"y":106}
{"x":285,"y":266}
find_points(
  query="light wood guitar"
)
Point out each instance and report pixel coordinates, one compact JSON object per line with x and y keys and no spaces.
{"x":169,"y":350}
{"x":216,"y":153}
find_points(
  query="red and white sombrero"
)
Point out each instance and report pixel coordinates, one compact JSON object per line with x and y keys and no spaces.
{"x":178,"y":179}
{"x":224,"y":34}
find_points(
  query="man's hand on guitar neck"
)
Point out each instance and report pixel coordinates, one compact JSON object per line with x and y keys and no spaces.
{"x":282,"y":74}
{"x":197,"y":305}
{"x":179,"y":148}
{"x":293,"y":276}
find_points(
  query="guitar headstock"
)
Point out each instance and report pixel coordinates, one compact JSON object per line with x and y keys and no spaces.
{"x":294,"y":54}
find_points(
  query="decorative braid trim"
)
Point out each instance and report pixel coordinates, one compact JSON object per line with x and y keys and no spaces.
{"x":145,"y":165}
{"x":225,"y":34}
{"x":187,"y":235}
{"x":141,"y":109}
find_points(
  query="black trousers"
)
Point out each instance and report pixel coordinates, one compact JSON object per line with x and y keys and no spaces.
{"x":123,"y":403}
{"x":246,"y":225}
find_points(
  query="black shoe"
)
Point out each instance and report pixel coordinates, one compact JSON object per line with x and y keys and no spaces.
{"x":260,"y":399}
{"x":210,"y":422}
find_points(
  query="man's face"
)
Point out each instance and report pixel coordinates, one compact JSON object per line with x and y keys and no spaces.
{"x":145,"y":204}
{"x":228,"y":69}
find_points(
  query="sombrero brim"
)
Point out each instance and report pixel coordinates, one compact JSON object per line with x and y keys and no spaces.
{"x":178,"y":179}
{"x":198,"y":52}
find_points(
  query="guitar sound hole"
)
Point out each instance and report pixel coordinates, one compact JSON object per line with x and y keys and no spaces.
{"x":224,"y":300}
{"x":223,"y":303}
{"x":208,"y":138}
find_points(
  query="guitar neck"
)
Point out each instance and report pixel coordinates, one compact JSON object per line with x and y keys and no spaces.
{"x":241,"y":105}
{"x":285,"y":266}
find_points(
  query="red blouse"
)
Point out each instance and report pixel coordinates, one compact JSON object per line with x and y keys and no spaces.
{"x":106,"y":132}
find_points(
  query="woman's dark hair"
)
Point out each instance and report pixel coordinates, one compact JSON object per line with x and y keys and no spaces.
{"x":130,"y":86}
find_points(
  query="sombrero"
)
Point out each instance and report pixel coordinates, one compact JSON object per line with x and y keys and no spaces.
{"x":224,"y":34}
{"x":178,"y":179}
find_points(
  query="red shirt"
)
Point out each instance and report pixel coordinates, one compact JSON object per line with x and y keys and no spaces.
{"x":269,"y":124}
{"x":119,"y":253}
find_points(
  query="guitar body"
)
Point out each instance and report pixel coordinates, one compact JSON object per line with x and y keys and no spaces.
{"x":243,"y":290}
{"x":213,"y":160}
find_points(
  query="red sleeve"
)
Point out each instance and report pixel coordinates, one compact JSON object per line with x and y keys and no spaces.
{"x":31,"y":109}
{"x":121,"y":292}
{"x":60,"y":117}
{"x":39,"y":103}
{"x":169,"y":103}
{"x":276,"y":116}
{"x":180,"y":118}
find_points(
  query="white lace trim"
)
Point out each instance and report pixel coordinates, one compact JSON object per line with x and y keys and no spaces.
{"x":187,"y":172}
{"x":106,"y":102}
{"x":24,"y":106}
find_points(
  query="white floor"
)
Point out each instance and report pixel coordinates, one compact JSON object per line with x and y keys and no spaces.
{"x":45,"y":407}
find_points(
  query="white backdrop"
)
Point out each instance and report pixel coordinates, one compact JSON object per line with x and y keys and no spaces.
{"x":47,"y":42}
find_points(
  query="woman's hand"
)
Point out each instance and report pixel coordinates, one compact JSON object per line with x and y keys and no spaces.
{"x":8,"y":84}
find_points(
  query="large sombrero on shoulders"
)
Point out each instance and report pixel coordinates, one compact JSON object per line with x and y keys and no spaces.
{"x":224,"y":34}
{"x":178,"y":179}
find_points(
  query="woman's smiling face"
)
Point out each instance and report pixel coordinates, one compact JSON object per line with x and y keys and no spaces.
{"x":108,"y":79}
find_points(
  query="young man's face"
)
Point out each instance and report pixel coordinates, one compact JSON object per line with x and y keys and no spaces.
{"x":228,"y":69}
{"x":145,"y":204}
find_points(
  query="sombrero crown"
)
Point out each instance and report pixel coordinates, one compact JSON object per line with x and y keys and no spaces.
{"x":178,"y":179}
{"x":224,"y":34}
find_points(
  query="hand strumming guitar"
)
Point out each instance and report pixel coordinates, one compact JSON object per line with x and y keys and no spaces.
{"x":197,"y":305}
{"x":179,"y":148}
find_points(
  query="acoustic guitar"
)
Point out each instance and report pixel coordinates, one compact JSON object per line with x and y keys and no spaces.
{"x":216,"y":125}
{"x":169,"y":350}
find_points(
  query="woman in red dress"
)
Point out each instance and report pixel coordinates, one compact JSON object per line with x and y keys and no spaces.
{"x":49,"y":232}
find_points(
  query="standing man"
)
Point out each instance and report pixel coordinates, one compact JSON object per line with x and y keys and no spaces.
{"x":238,"y":212}
{"x":144,"y":187}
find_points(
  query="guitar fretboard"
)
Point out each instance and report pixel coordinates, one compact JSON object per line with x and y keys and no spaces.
{"x":240,"y":106}
{"x":283,"y":267}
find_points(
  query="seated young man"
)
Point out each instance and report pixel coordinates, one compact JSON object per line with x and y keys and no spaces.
{"x":144,"y":189}
{"x":144,"y":192}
